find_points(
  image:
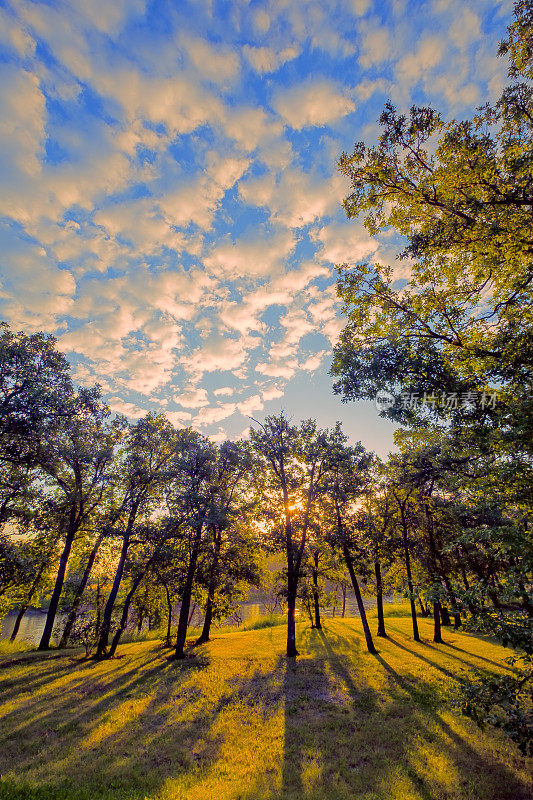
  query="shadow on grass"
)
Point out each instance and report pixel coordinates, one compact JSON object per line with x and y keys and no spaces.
{"x":122,"y":729}
{"x":365,"y":741}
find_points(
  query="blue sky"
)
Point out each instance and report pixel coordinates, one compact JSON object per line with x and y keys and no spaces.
{"x":170,"y":205}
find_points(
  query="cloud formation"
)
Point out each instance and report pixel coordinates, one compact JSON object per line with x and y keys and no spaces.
{"x":171,"y":205}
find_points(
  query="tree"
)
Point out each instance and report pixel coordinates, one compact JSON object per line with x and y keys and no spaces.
{"x":232,"y":556}
{"x":294,"y":461}
{"x":461,"y":194}
{"x":190,"y":500}
{"x":35,"y":388}
{"x":35,"y":554}
{"x":346,"y":482}
{"x":75,"y":461}
{"x":148,"y":465}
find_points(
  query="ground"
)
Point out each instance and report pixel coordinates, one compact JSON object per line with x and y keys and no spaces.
{"x":239,"y":721}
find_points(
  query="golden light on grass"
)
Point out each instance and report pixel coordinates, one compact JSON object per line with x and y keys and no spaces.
{"x":238,"y":722}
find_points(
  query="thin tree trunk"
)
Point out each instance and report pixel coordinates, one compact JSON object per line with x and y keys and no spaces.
{"x":471,"y":607}
{"x":183,"y":621}
{"x":108,"y":611}
{"x":360,"y":605}
{"x":18,"y":620}
{"x":208,"y":618}
{"x":437,"y":636}
{"x":24,"y":608}
{"x":416,"y":635}
{"x":450,"y":591}
{"x":317,"y":623}
{"x":343,"y":600}
{"x":124,"y":617}
{"x":168,"y":641}
{"x":379,"y":598}
{"x":423,"y":608}
{"x":44,"y":644}
{"x":71,"y":619}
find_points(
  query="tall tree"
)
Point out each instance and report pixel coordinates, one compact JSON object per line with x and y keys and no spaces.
{"x":147,"y":467}
{"x":294,"y":462}
{"x":346,"y":482}
{"x":76,"y":460}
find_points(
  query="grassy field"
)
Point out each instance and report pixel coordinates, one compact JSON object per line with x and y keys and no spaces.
{"x":239,"y":721}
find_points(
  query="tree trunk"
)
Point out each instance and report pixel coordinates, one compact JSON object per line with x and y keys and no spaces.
{"x":445,"y":616}
{"x":292,"y":652}
{"x":423,"y":608}
{"x":379,"y":598}
{"x":208,"y":618}
{"x":44,"y":644}
{"x":317,"y":623}
{"x":416,"y":635}
{"x":183,"y":621}
{"x":71,"y":619}
{"x":360,"y":605}
{"x":124,"y":617}
{"x":18,"y":620}
{"x":343,"y":600}
{"x":471,"y":607}
{"x":168,"y":641}
{"x":108,"y":611}
{"x":437,"y":636}
{"x":451,"y":594}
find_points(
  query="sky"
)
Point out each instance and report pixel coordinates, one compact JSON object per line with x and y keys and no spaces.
{"x":170,"y":205}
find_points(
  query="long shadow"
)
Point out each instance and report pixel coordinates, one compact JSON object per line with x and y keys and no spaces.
{"x":333,"y":747}
{"x":431,"y":663}
{"x":379,"y":731}
{"x":473,"y":655}
{"x":447,"y":654}
{"x":134,"y":757}
{"x":501,"y":782}
{"x":125,"y":729}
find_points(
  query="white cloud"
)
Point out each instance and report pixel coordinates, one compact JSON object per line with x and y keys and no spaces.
{"x":265,"y":59}
{"x":295,"y":198}
{"x":22,"y":122}
{"x":414,"y":66}
{"x":376,"y":46}
{"x":216,"y":64}
{"x":206,"y":416}
{"x":344,"y":243}
{"x":192,"y":398}
{"x":259,"y":255}
{"x":315,"y":103}
{"x":119,"y":406}
{"x":465,"y":29}
{"x":251,"y":404}
{"x":217,"y":353}
{"x":197,"y":200}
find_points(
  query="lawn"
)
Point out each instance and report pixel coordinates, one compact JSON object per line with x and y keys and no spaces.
{"x":239,"y":721}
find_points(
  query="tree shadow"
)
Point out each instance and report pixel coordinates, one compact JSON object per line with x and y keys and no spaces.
{"x":140,"y":726}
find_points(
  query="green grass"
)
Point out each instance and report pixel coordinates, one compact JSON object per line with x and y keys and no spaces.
{"x":267,"y":621}
{"x":240,"y":722}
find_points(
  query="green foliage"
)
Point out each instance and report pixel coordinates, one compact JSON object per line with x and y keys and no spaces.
{"x":504,"y":701}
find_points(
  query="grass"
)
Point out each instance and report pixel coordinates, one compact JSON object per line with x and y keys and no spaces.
{"x":240,"y":722}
